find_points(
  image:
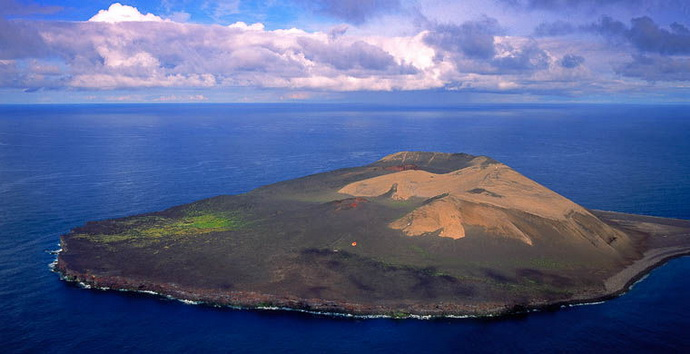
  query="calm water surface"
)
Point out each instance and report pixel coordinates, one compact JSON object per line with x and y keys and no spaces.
{"x":61,"y":166}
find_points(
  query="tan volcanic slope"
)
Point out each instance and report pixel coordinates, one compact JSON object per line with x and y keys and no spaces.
{"x":481,"y":194}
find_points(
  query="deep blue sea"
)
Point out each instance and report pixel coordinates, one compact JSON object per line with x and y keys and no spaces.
{"x":61,"y":166}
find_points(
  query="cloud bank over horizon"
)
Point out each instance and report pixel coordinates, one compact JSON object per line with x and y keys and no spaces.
{"x":523,"y":48}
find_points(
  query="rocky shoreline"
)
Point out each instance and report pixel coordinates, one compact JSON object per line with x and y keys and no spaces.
{"x":616,"y":285}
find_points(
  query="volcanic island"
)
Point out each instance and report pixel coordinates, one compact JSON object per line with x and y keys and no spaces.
{"x":413,"y":234}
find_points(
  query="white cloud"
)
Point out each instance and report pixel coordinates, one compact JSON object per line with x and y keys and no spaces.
{"x":121,"y":48}
{"x":123,"y":13}
{"x":243,"y":26}
{"x":117,"y":81}
{"x":115,"y":58}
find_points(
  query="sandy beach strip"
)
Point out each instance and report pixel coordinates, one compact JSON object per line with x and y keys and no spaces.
{"x":650,"y":260}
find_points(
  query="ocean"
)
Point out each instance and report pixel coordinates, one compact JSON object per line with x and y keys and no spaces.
{"x":63,"y":165}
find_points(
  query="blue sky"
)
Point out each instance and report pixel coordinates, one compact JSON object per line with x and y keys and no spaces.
{"x":369,"y":51}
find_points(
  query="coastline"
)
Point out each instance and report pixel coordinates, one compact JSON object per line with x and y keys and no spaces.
{"x":651,"y":259}
{"x":620,"y":283}
{"x":616,"y":285}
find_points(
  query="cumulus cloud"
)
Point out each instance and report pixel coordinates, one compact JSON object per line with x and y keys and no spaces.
{"x":649,"y":37}
{"x":474,"y":39}
{"x":358,"y":55}
{"x":476,"y":46}
{"x":243,"y":26}
{"x":645,"y":35}
{"x":122,"y":48}
{"x":527,"y":56}
{"x":123,"y":13}
{"x":661,"y":53}
{"x":609,"y":27}
{"x":657,"y":68}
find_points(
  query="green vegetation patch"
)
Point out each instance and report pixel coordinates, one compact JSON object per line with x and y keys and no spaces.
{"x":145,"y":230}
{"x":399,"y":315}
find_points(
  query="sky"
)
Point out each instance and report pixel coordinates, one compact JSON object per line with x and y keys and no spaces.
{"x":406,"y":52}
